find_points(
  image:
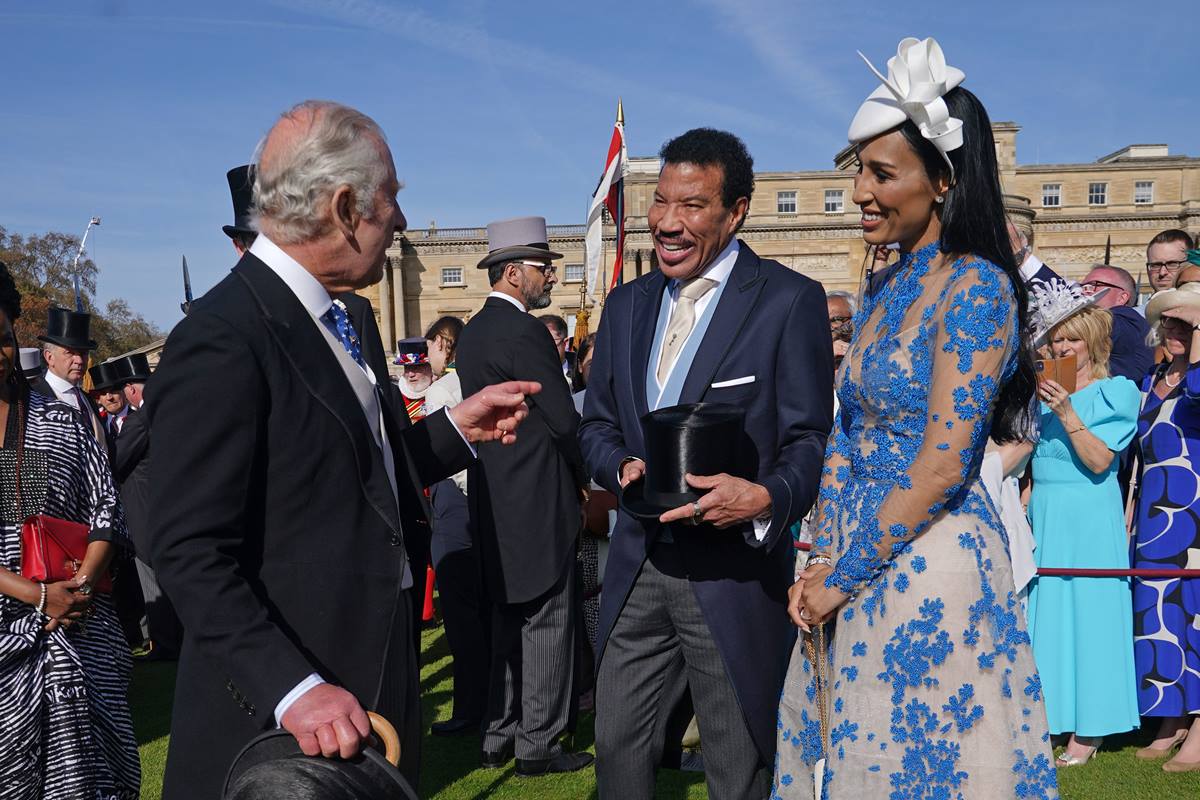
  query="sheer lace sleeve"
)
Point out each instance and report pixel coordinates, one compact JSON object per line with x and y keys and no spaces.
{"x":973,"y":341}
{"x":834,"y":473}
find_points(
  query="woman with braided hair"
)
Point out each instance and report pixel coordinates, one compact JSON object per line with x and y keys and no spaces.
{"x":65,"y":729}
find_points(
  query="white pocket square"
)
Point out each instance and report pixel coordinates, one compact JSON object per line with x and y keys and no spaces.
{"x":732,"y":382}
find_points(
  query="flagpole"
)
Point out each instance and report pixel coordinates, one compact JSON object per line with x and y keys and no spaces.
{"x":82,"y":243}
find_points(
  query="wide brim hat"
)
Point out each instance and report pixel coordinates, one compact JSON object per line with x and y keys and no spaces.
{"x":133,"y":368}
{"x":104,"y":376}
{"x":695,"y":438}
{"x":241,"y":192}
{"x":1186,"y":296}
{"x":516,"y":239}
{"x":1053,"y":303}
{"x":275,"y":757}
{"x":68,"y":328}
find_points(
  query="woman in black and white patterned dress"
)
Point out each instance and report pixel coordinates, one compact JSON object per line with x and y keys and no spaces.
{"x":65,"y":729}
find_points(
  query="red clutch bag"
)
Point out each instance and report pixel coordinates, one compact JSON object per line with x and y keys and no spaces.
{"x":52,"y":550}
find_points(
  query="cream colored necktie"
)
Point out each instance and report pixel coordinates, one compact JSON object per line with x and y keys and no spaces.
{"x":683,"y":318}
{"x":92,"y":418}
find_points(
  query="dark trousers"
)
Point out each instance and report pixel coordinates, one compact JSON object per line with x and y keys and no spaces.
{"x":162,"y":625}
{"x":400,"y":692}
{"x":659,"y":636}
{"x":533,"y":661}
{"x":466,"y":608}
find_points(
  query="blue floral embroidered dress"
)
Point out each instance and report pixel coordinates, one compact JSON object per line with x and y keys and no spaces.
{"x":933,"y":689}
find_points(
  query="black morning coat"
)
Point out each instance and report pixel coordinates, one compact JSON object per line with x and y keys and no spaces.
{"x":274,"y":529}
{"x":524,"y":498}
{"x":131,"y":471}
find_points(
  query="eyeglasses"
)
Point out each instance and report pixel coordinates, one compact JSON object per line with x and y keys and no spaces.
{"x":1093,"y":286}
{"x":546,"y":269}
{"x":1169,"y":266}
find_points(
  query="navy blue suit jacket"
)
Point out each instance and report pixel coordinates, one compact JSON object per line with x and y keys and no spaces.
{"x":771,"y":323}
{"x":1132,"y":356}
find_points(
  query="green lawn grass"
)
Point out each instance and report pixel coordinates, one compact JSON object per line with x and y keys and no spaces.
{"x":449,"y":766}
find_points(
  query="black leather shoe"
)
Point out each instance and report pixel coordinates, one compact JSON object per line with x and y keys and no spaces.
{"x":496,"y":760}
{"x":563,"y":762}
{"x":454,"y":726}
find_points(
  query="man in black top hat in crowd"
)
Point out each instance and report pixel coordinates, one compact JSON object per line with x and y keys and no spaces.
{"x":701,"y":589}
{"x":525,"y":508}
{"x":65,"y":347}
{"x":111,"y":402}
{"x":241,"y":191}
{"x":284,"y":480}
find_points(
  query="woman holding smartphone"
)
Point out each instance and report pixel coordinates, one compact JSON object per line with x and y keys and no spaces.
{"x":1082,"y":628}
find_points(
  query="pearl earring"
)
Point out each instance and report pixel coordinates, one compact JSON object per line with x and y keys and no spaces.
{"x":939,"y":199}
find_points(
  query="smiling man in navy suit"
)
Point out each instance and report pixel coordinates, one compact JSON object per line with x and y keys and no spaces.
{"x":702,"y":590}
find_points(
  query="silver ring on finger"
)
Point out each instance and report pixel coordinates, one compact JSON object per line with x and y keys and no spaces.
{"x":697,"y":514}
{"x":804,"y":614}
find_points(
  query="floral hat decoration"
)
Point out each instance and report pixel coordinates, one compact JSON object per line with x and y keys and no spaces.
{"x":1053,"y":302}
{"x":917,"y":80}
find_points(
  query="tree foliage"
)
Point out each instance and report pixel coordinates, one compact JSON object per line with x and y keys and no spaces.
{"x":44,"y":270}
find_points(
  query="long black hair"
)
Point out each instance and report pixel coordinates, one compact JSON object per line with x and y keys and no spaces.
{"x":974,"y":222}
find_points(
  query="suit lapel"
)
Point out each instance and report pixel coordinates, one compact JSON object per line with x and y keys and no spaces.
{"x":730,"y":316}
{"x":319,"y":371}
{"x":643,"y":317}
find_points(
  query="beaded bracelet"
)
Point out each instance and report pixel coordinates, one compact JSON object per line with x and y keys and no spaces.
{"x":819,"y":558}
{"x":41,"y":606}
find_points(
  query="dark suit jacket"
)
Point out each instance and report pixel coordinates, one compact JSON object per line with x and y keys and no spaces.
{"x":771,"y":323}
{"x":1132,"y":356}
{"x":131,"y":471}
{"x":273,"y":526}
{"x":524,"y":497}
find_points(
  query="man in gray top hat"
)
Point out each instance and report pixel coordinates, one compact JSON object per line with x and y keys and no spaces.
{"x":528,"y":555}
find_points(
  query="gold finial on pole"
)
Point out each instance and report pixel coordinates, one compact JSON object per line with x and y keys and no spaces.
{"x":620,"y":113}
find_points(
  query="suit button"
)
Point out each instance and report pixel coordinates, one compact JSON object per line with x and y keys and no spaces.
{"x":396,"y":541}
{"x":250,"y":709}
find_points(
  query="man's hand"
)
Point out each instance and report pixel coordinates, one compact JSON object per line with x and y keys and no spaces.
{"x":632,"y":470}
{"x":494,"y":412}
{"x":730,"y":501}
{"x":327,"y":720}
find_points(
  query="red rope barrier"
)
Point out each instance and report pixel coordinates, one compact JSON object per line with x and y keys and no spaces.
{"x":1062,"y":572}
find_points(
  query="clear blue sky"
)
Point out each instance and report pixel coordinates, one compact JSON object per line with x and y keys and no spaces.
{"x":133,"y":110}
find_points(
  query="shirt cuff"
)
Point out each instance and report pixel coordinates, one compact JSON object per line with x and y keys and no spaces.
{"x":761,"y":526}
{"x":291,"y":697}
{"x":454,"y":425}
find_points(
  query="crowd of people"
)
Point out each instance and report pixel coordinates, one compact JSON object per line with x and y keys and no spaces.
{"x":833,"y":557}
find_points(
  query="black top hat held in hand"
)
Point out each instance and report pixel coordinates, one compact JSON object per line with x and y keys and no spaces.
{"x":697,"y":438}
{"x":68,"y":328}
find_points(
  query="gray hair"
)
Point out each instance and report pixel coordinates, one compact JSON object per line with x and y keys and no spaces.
{"x":339,"y":147}
{"x":843,"y":295}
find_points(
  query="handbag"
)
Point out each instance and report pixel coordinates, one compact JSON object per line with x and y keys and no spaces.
{"x":816,"y":646}
{"x":52,"y":549}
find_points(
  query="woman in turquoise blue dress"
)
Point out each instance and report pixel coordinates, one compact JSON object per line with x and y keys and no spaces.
{"x":928,"y":687}
{"x":1082,"y":628}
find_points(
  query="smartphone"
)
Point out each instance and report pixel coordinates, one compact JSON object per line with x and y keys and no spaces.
{"x":1060,"y":370}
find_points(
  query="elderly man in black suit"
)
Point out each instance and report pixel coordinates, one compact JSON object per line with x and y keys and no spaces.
{"x":702,"y":589}
{"x":284,"y":480}
{"x":525,"y":508}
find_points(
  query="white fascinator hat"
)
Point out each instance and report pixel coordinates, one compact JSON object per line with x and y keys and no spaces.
{"x":1053,"y":303}
{"x":918,"y":77}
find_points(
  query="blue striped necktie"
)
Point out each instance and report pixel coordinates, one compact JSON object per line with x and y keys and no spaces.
{"x":337,"y":317}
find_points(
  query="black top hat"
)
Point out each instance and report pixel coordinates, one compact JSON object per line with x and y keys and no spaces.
{"x":133,"y":368}
{"x":412,"y":352}
{"x":697,"y":438}
{"x":68,"y":328}
{"x":104,"y":376}
{"x":272,"y":766}
{"x":241,"y":189}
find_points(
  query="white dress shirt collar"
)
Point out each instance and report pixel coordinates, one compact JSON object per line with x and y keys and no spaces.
{"x":510,"y":299}
{"x":1030,"y":267}
{"x":62,"y":388}
{"x":308,"y":290}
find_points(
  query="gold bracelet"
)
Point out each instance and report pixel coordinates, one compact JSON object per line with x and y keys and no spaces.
{"x":1077,"y":430}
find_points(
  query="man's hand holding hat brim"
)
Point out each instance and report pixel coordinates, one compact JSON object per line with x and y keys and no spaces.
{"x":727,"y":501}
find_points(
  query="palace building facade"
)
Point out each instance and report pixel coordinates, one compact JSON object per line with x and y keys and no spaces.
{"x":808,"y":222}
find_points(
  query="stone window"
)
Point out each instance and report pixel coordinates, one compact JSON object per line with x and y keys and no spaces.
{"x":1051,"y":195}
{"x":785,"y":202}
{"x":572,"y":273}
{"x":835,"y":201}
{"x":452,"y":276}
{"x":1097,"y":194}
{"x":1143,"y":193}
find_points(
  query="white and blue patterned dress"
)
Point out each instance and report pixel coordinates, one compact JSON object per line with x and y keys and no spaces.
{"x":65,"y":728}
{"x":933,"y":690}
